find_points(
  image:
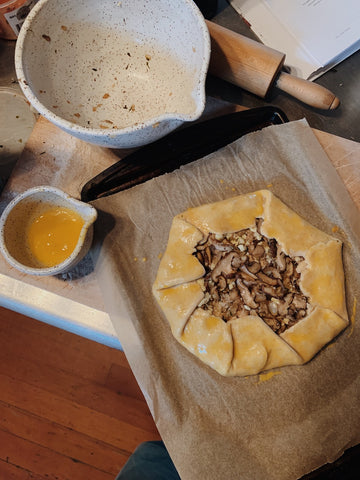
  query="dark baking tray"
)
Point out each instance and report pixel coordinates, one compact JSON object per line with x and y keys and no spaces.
{"x":179,"y":148}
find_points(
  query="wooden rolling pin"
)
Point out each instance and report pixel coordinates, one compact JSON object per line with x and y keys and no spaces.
{"x":256,"y":68}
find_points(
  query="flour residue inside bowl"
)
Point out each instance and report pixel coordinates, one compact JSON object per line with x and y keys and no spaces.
{"x":100,"y":78}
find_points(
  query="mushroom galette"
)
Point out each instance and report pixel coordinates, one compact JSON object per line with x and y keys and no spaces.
{"x":247,"y":285}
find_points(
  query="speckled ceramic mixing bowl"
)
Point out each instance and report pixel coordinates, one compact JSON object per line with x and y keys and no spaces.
{"x":115,"y":73}
{"x":19,"y":215}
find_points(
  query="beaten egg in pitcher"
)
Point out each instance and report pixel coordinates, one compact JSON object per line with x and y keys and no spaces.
{"x":53,"y":235}
{"x":45,"y":231}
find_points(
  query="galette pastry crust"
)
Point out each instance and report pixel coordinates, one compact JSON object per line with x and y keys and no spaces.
{"x":245,"y":344}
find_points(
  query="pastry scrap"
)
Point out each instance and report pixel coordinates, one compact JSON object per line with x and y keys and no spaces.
{"x":247,"y":285}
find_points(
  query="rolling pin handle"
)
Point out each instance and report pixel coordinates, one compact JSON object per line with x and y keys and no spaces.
{"x":255,"y":67}
{"x":308,"y":92}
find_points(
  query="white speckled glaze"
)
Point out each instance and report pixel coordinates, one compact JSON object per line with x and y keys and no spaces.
{"x":28,"y":205}
{"x":115,"y":73}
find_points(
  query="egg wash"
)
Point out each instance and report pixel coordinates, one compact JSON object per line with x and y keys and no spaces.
{"x":53,"y":235}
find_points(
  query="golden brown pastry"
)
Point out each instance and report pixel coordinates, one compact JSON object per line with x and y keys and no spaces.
{"x":247,"y":285}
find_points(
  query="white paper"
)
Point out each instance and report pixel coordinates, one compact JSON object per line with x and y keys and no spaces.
{"x":315,"y":35}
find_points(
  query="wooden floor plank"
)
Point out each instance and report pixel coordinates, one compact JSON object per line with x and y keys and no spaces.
{"x":12,"y":472}
{"x":45,"y":462}
{"x":121,"y":380}
{"x":72,"y":355}
{"x":77,"y":389}
{"x":69,"y":408}
{"x":19,"y":322}
{"x":62,"y":440}
{"x":16,"y":321}
{"x":70,"y":414}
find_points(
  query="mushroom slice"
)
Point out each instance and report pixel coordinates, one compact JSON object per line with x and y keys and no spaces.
{"x":246,"y":270}
{"x":258,"y":251}
{"x":221,"y":283}
{"x":224,"y":266}
{"x":245,"y":294}
{"x":254,"y":267}
{"x":266,"y":279}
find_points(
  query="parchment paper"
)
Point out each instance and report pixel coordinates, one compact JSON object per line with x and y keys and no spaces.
{"x":252,"y":428}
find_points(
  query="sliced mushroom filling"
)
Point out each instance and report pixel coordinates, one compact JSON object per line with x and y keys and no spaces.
{"x":247,"y":273}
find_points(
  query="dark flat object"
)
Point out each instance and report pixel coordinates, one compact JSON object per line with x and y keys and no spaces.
{"x":179,"y":148}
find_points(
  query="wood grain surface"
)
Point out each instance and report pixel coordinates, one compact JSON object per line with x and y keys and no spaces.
{"x":70,"y":408}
